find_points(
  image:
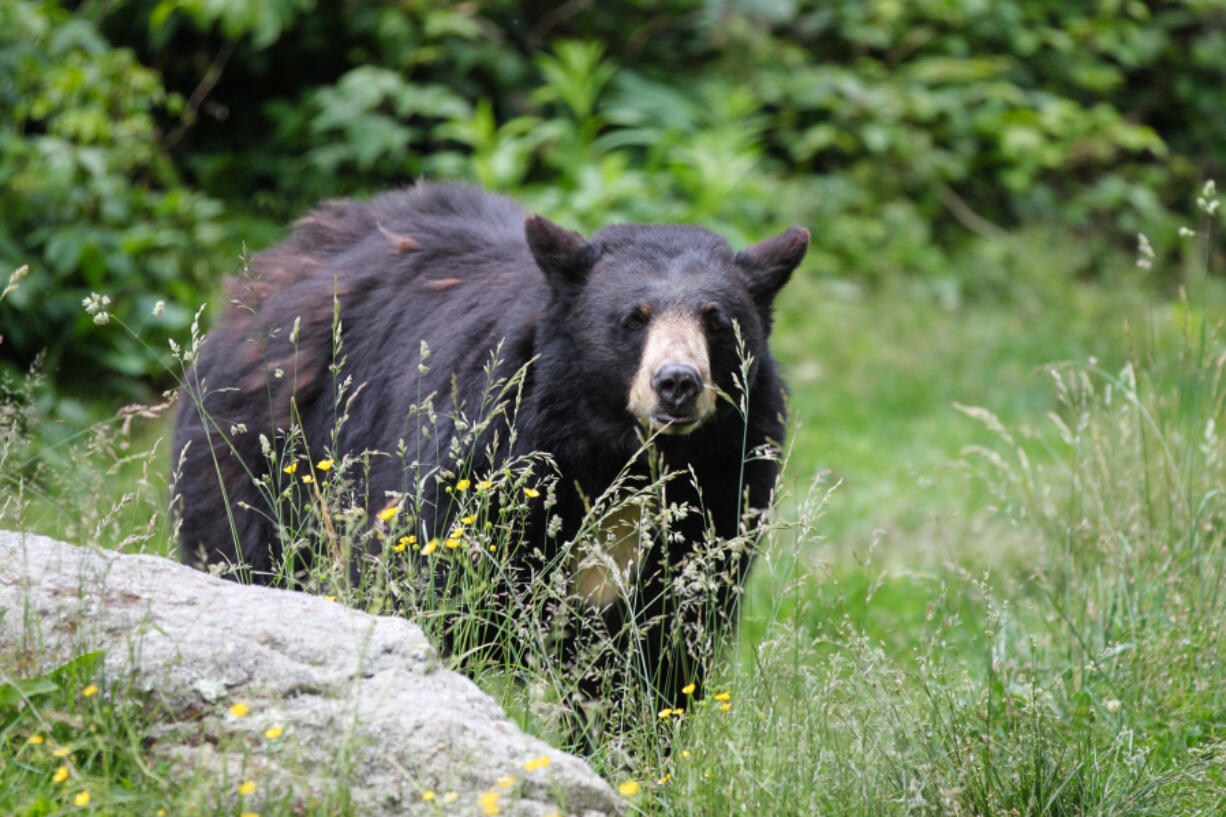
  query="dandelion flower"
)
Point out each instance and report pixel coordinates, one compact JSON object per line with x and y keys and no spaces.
{"x":291,"y":468}
{"x":239,"y":709}
{"x":452,"y":543}
{"x":63,"y":751}
{"x":489,"y":802}
{"x":628,"y":789}
{"x":324,"y":465}
{"x":82,"y":798}
{"x":725,"y":707}
{"x":247,"y":787}
{"x":685,"y":753}
{"x":274,"y":732}
{"x":531,"y":493}
{"x":90,"y":690}
{"x":463,"y":485}
{"x":388,"y":512}
{"x":61,"y":774}
{"x":429,"y":547}
{"x":427,"y":795}
{"x":35,"y":740}
{"x":688,"y":689}
{"x":724,"y":696}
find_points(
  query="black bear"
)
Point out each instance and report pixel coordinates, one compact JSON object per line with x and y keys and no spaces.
{"x":642,"y":350}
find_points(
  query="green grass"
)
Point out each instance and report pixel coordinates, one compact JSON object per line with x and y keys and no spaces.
{"x":946,"y":632}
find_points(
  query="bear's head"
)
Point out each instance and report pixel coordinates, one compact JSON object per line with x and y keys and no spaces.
{"x":659,"y":318}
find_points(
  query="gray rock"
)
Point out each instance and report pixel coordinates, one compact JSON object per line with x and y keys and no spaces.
{"x":364,"y":701}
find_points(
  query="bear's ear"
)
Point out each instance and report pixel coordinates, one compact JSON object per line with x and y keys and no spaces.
{"x":769,"y":264}
{"x":563,"y":255}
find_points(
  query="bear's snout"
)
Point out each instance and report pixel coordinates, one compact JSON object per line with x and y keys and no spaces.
{"x":672,"y":391}
{"x":677,"y":385}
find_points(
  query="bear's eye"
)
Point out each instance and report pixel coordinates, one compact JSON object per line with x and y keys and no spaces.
{"x":715,"y":320}
{"x":637,"y":318}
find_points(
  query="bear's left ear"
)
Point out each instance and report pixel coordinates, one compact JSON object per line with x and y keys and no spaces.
{"x":563,"y":255}
{"x":769,"y":264}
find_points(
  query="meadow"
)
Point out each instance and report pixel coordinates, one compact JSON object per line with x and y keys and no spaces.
{"x":993,"y":585}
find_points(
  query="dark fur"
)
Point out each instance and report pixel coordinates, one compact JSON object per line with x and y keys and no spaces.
{"x":463,"y":270}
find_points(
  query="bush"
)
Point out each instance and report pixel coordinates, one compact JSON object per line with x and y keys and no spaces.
{"x":92,"y":201}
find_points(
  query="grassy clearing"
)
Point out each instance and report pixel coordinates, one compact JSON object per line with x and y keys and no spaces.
{"x":1015,"y":611}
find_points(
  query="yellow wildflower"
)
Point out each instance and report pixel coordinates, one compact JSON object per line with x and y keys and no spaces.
{"x":247,"y":787}
{"x":329,"y":598}
{"x":685,"y":753}
{"x":506,"y":781}
{"x":291,"y":468}
{"x":63,"y":751}
{"x":399,"y":546}
{"x":239,"y":709}
{"x":61,"y":774}
{"x":452,"y":544}
{"x":531,"y":493}
{"x":324,"y":465}
{"x":82,"y":798}
{"x":274,"y":732}
{"x":463,"y":485}
{"x":664,"y":713}
{"x":451,"y":796}
{"x":307,"y":479}
{"x":537,"y":763}
{"x":430,"y":547}
{"x":554,"y":814}
{"x":250,"y":814}
{"x":468,"y":520}
{"x":90,"y":690}
{"x":489,"y":802}
{"x":629,"y":788}
{"x":427,"y":795}
{"x":724,"y":696}
{"x":484,"y":485}
{"x":34,"y":740}
{"x":688,"y":689}
{"x":725,"y":707}
{"x":664,"y":779}
{"x":388,"y":512}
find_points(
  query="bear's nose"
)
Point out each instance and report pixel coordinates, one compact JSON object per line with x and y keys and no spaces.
{"x":677,"y":385}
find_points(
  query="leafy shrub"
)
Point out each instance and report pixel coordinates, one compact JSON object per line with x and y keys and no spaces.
{"x":91,"y":200}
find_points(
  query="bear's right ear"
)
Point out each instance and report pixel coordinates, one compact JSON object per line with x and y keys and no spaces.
{"x":563,"y":255}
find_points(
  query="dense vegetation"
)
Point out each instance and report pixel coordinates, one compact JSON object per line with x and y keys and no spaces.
{"x":142,"y":143}
{"x":995,"y":582}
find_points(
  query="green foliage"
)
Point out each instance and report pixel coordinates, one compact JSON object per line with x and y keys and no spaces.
{"x":91,"y":200}
{"x":913,"y":138}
